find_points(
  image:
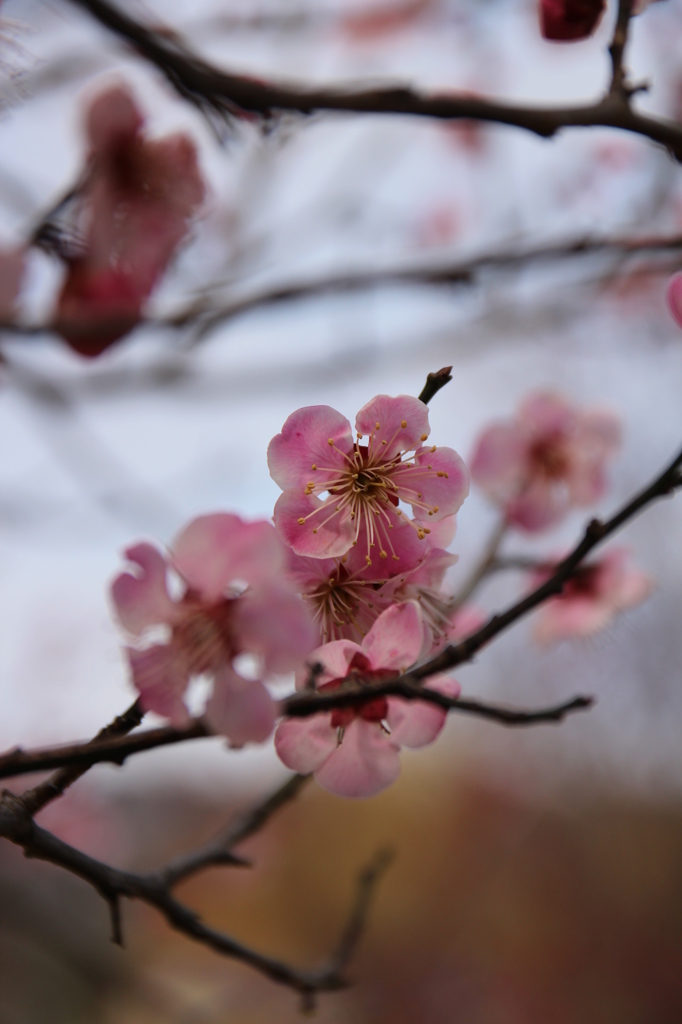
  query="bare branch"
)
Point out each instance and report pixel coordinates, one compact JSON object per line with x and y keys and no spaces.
{"x":617,"y":50}
{"x":35,"y":799}
{"x":434,"y":382}
{"x":17,"y":826}
{"x":216,"y":92}
{"x":219,"y":849}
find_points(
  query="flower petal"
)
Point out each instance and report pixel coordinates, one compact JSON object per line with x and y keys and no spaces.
{"x":365,"y":762}
{"x":498,"y":464}
{"x":214,"y":550}
{"x":538,"y":507}
{"x":396,"y":638}
{"x":438,"y":480}
{"x":324,"y":534}
{"x":334,"y":657}
{"x":304,"y":744}
{"x":273,"y":622}
{"x":416,"y":723}
{"x":390,"y":413}
{"x":304,"y":442}
{"x":143,"y":600}
{"x":241,"y":709}
{"x":675,"y":297}
{"x":160,"y":676}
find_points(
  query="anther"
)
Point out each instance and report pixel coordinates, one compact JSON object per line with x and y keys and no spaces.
{"x":384,"y":442}
{"x":403,"y":423}
{"x":441,"y":473}
{"x":301,"y":521}
{"x":377,"y":426}
{"x":315,"y":530}
{"x":398,"y":512}
{"x":383,"y":554}
{"x":423,"y":437}
{"x":396,"y":558}
{"x":368,"y":560}
{"x":433,"y":449}
{"x":436,"y":508}
{"x":330,"y":442}
{"x":313,"y":466}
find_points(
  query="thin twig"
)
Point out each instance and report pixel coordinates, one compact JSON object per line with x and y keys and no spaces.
{"x":617,"y":50}
{"x":434,"y":382}
{"x":217,"y":92}
{"x":219,"y":850}
{"x":35,"y":799}
{"x":18,"y":827}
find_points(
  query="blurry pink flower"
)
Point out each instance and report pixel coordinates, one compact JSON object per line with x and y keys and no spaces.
{"x":138,"y":200}
{"x":592,"y":599}
{"x":570,"y":20}
{"x":12,"y":264}
{"x":355,"y":751}
{"x":547,"y":460}
{"x":236,"y":601}
{"x":675,"y":297}
{"x":361,"y":485}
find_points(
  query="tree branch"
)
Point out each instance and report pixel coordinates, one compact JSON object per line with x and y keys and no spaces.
{"x":434,"y":382}
{"x":18,"y":827}
{"x":617,"y":50}
{"x":220,"y":93}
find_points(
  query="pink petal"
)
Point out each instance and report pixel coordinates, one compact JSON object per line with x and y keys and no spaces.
{"x":159,"y":675}
{"x":365,"y":762}
{"x":601,"y":431}
{"x":325,"y":534}
{"x":540,"y":506}
{"x":334,"y":657}
{"x":422,"y":485}
{"x":112,"y":119}
{"x":215,"y":550}
{"x":499,"y":461}
{"x":416,"y":723}
{"x":304,"y":744}
{"x":634,"y":588}
{"x":396,"y":638}
{"x":143,"y":600}
{"x":304,"y":442}
{"x":442,"y":531}
{"x":547,"y":413}
{"x":674,"y":296}
{"x":566,"y":618}
{"x":241,"y":709}
{"x":390,"y":414}
{"x":432,"y":570}
{"x":273,"y":622}
{"x":466,"y":620}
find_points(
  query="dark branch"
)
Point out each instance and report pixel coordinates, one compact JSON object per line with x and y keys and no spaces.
{"x":17,"y":826}
{"x":35,"y":799}
{"x":219,"y":850}
{"x":617,"y":50}
{"x":434,"y":382}
{"x":217,"y":92}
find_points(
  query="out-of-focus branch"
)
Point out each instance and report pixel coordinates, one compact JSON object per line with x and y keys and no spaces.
{"x":460,"y":272}
{"x":617,"y":50}
{"x":218,"y":92}
{"x":17,"y":825}
{"x":35,"y":799}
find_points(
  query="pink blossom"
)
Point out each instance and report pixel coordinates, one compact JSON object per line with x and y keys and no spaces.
{"x":12,"y":265}
{"x":236,"y":600}
{"x":570,"y":20}
{"x":355,"y":751}
{"x":675,"y":297}
{"x":547,"y":460}
{"x":136,"y":205}
{"x":339,"y":493}
{"x":591,"y":600}
{"x":346,"y":595}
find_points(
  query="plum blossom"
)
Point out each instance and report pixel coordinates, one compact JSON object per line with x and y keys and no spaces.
{"x":137,"y":202}
{"x":236,"y":600}
{"x":591,"y":600}
{"x":570,"y":20}
{"x":339,"y":493}
{"x":346,"y":595}
{"x":356,"y":751}
{"x":675,"y":297}
{"x":547,"y":460}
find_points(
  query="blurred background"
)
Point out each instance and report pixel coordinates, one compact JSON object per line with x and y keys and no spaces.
{"x":537,"y":874}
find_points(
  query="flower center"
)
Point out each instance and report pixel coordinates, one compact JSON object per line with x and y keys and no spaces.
{"x":549,"y":458}
{"x":205,"y":635}
{"x":374,"y":709}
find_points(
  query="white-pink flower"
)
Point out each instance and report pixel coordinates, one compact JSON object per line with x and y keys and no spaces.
{"x":591,"y":600}
{"x":339,"y":492}
{"x":356,"y":751}
{"x":551,"y":457}
{"x":235,"y":600}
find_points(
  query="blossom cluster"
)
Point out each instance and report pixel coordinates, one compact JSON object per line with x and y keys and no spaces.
{"x":346,"y":585}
